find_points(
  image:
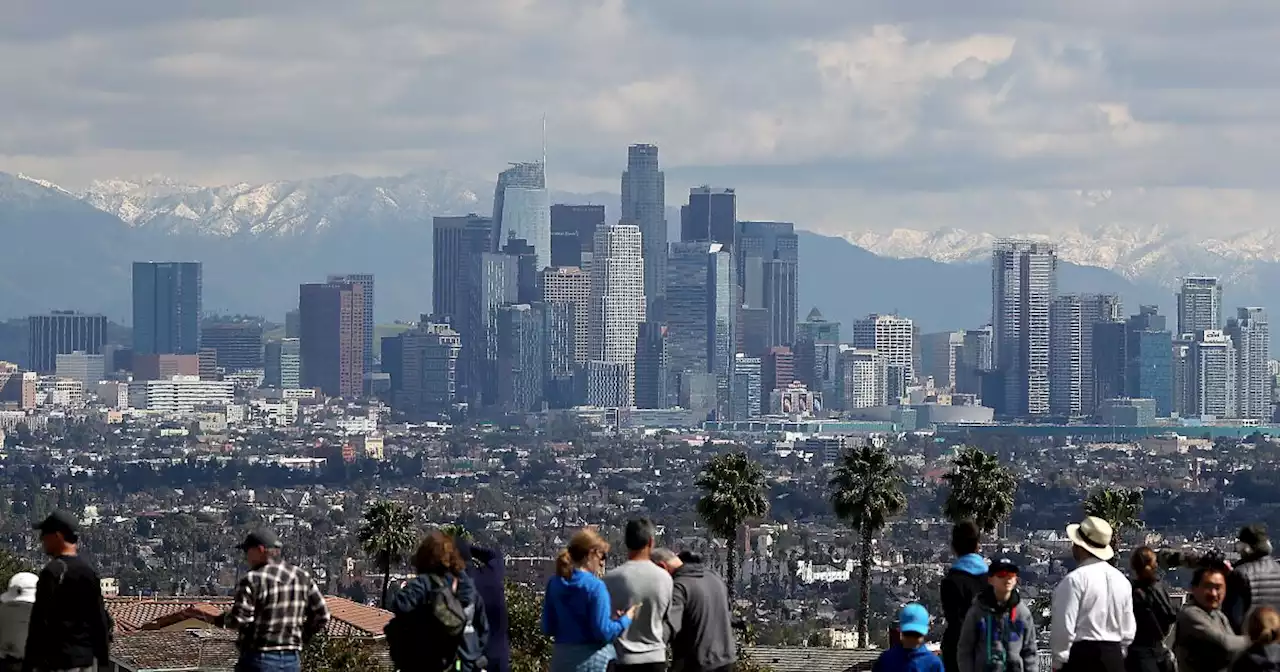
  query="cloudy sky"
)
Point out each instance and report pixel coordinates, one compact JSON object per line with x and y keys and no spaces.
{"x":999,"y":115}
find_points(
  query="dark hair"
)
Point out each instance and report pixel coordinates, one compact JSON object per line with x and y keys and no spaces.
{"x":689,"y":557}
{"x":1205,"y":570}
{"x":437,"y":554}
{"x":965,"y":537}
{"x":1143,"y":562}
{"x":639,"y":534}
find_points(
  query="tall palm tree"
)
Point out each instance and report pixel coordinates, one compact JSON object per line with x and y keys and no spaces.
{"x":733,"y":493}
{"x":866,"y":489}
{"x":982,"y":489}
{"x":1119,"y":506}
{"x":387,"y":533}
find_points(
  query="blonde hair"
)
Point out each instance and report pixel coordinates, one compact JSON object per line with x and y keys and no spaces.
{"x":578,"y":550}
{"x":1264,"y":625}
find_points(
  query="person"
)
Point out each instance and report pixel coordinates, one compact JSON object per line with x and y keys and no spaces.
{"x":419,"y":636}
{"x":1153,"y":613}
{"x":643,"y":647}
{"x":69,"y":628}
{"x":962,"y":583}
{"x":15,"y":616}
{"x":1263,"y":654}
{"x":1092,"y":622}
{"x":697,"y":624}
{"x":1255,"y":579}
{"x":1204,"y":641}
{"x":998,"y":635}
{"x":276,"y":609}
{"x":910,"y":653}
{"x":487,"y":571}
{"x":576,"y":612}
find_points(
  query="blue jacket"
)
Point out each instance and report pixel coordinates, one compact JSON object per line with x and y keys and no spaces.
{"x":411,"y":612}
{"x":577,"y":611}
{"x":901,"y":659}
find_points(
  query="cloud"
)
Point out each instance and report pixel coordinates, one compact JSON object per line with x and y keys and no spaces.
{"x":840,"y":115}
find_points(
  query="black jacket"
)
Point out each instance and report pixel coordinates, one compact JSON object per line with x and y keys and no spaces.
{"x":959,"y":587}
{"x":1154,"y":613}
{"x":698,"y":623}
{"x":1254,"y":582}
{"x":487,"y":571}
{"x":411,"y":613}
{"x":69,"y":624}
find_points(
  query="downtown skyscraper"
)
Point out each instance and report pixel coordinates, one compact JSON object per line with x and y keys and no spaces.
{"x":699,"y":318}
{"x":617,"y":307}
{"x":1199,"y":305}
{"x":644,"y":204}
{"x":767,"y":263}
{"x":365,"y":280}
{"x":521,"y":209}
{"x":1072,"y":318}
{"x":1250,"y":333}
{"x":1024,"y":280}
{"x":711,"y":215}
{"x":332,"y":342}
{"x":166,"y":307}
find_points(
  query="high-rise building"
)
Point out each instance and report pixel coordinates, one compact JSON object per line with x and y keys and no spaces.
{"x":496,"y":284}
{"x":644,"y":204}
{"x":710,"y":216}
{"x":238,"y":344}
{"x":745,"y":392}
{"x":521,"y":209}
{"x":528,"y":275}
{"x":617,"y":298}
{"x":365,"y":280}
{"x":1183,"y":377}
{"x":85,"y":368}
{"x":974,"y":360}
{"x":817,"y":355}
{"x":573,"y":232}
{"x":423,"y":364}
{"x":571,"y":285}
{"x":293,"y":324}
{"x":751,"y":332}
{"x":456,"y":241}
{"x":62,"y":332}
{"x":283,"y":364}
{"x":767,"y":265}
{"x":699,"y":315}
{"x":520,"y":358}
{"x":938,"y":357}
{"x":608,"y":384}
{"x":891,"y":336}
{"x":166,"y":307}
{"x":1149,"y":360}
{"x":1110,"y":342}
{"x":1024,"y":280}
{"x":653,"y":390}
{"x":777,"y":372}
{"x":332,"y":342}
{"x":864,"y":378}
{"x":1071,"y":370}
{"x":1250,"y":333}
{"x":559,"y":337}
{"x":1199,"y":305}
{"x":1213,"y":375}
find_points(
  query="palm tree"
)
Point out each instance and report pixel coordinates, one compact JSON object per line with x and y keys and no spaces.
{"x":982,"y":489}
{"x":866,"y":489}
{"x":1118,"y":506}
{"x":457,"y":530}
{"x":387,"y":533}
{"x":733,"y":493}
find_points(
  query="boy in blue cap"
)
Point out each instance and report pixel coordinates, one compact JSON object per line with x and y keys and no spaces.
{"x":910,"y":654}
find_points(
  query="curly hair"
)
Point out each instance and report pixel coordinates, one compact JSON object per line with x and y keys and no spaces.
{"x":437,"y":554}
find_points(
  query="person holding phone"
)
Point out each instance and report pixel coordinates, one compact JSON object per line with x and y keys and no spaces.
{"x":577,"y":611}
{"x":640,"y":583}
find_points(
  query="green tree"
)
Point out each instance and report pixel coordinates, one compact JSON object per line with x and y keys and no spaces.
{"x":866,"y":489}
{"x":733,"y":492}
{"x":1120,"y":507}
{"x":386,"y":534}
{"x":338,"y":654}
{"x":11,"y":564}
{"x":982,"y":489}
{"x":530,"y":648}
{"x":457,"y":531}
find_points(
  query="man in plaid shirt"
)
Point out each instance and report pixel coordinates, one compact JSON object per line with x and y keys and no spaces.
{"x":277,"y":608}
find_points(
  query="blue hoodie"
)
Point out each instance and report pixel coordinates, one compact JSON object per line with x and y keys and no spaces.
{"x":902,"y":659}
{"x":577,"y":611}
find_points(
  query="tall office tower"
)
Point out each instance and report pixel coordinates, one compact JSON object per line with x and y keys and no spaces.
{"x":1183,"y":377}
{"x":710,"y":216}
{"x":521,"y":209}
{"x":817,"y":355}
{"x":745,"y":395}
{"x":974,"y":360}
{"x":559,"y":340}
{"x":1149,"y":360}
{"x":1251,"y":335}
{"x":1199,"y":305}
{"x":1110,"y":360}
{"x":283,"y":364}
{"x":572,"y":286}
{"x":455,"y":241}
{"x":332,"y":343}
{"x":83,"y":367}
{"x":777,"y":373}
{"x":1024,"y":280}
{"x":520,"y":358}
{"x":61,"y":332}
{"x":166,"y":307}
{"x":528,"y":275}
{"x":644,"y":203}
{"x":938,"y":358}
{"x":1071,"y":320}
{"x":751,"y":332}
{"x":423,"y":365}
{"x":292,"y":324}
{"x":608,"y":384}
{"x":652,"y":387}
{"x":573,"y":232}
{"x":864,"y":378}
{"x":891,"y":336}
{"x":1213,"y":375}
{"x":495,"y":284}
{"x":617,"y":298}
{"x":238,"y":344}
{"x":767,"y":265}
{"x":699,"y":313}
{"x":365,"y":280}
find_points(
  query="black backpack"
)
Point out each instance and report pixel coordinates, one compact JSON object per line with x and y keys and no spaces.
{"x":428,"y":637}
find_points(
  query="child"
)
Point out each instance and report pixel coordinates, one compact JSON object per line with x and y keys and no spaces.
{"x":910,"y":654}
{"x":998,"y":635}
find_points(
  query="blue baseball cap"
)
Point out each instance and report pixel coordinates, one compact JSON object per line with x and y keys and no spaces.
{"x":914,"y":618}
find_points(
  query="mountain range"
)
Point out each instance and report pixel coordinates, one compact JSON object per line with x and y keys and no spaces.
{"x":72,"y":250}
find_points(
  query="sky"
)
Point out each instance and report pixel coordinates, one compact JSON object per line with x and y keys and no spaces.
{"x":997,"y":115}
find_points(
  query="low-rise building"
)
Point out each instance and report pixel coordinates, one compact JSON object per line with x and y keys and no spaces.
{"x":179,"y":394}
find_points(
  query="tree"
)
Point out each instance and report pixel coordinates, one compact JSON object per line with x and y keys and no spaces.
{"x":387,"y":534}
{"x":982,"y":489}
{"x":866,"y":489}
{"x":338,"y":654}
{"x":1120,"y":507}
{"x":530,"y":647}
{"x":11,"y":564}
{"x":457,"y":531}
{"x":733,"y":493}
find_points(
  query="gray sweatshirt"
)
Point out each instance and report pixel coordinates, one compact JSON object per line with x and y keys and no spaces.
{"x":699,"y":623}
{"x":997,"y":637}
{"x":644,"y":583}
{"x":1205,"y":641}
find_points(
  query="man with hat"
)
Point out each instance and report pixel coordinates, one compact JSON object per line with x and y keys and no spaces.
{"x":998,"y":635}
{"x":1093,"y":620}
{"x":69,"y":628}
{"x":277,"y":608}
{"x":1255,"y":580}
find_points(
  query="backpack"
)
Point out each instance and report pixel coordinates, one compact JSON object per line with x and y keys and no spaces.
{"x":447,"y":617}
{"x":428,"y":637}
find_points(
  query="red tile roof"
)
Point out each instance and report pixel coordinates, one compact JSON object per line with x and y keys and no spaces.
{"x":204,"y":650}
{"x":132,"y":614}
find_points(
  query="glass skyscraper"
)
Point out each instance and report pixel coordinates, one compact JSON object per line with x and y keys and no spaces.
{"x":644,"y":204}
{"x":1024,"y":280}
{"x":521,"y":209}
{"x":699,"y":313}
{"x":166,"y":307}
{"x":1149,"y":356}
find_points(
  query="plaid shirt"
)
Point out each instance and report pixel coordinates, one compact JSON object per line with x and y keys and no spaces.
{"x":277,"y":607}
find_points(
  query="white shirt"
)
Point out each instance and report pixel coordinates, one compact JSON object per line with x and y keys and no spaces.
{"x":1094,"y":603}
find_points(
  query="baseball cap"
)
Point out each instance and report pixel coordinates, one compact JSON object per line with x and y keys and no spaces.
{"x":58,"y":521}
{"x":1003,"y":566}
{"x":914,"y":618}
{"x":263,"y":537}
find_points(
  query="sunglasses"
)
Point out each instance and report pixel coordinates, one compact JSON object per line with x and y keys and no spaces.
{"x":1006,"y":575}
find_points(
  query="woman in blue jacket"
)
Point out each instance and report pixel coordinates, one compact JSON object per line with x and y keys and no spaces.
{"x":576,"y":612}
